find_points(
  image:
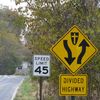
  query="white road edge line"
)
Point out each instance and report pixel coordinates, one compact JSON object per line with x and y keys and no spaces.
{"x":14,"y":94}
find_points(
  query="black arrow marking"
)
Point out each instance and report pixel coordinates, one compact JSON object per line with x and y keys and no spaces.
{"x":84,"y":44}
{"x":70,"y":59}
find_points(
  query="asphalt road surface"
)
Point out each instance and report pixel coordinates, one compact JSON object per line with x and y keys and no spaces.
{"x":9,"y":86}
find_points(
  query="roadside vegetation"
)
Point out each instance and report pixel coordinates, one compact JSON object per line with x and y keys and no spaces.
{"x":27,"y":90}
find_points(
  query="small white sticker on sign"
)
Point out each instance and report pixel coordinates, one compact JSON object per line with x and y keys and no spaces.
{"x":41,"y":65}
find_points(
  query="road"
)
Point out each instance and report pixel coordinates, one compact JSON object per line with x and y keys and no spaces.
{"x":9,"y":86}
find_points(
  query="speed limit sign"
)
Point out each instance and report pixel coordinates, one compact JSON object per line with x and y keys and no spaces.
{"x":41,"y":65}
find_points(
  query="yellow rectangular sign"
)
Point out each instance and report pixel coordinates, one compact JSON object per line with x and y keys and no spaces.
{"x":73,"y":85}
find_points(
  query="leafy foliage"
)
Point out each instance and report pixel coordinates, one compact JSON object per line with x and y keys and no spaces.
{"x":11,"y":21}
{"x":12,"y":53}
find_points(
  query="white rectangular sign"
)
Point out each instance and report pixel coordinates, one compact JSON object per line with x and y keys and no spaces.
{"x":41,"y":65}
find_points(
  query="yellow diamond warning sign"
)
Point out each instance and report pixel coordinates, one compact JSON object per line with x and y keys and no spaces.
{"x":70,"y":85}
{"x":74,"y":49}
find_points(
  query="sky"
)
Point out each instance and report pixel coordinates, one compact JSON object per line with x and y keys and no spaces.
{"x":9,"y":3}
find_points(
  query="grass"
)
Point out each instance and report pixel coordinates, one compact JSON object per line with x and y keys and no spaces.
{"x":27,"y":90}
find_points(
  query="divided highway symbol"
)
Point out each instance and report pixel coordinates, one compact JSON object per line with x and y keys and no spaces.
{"x":74,"y":49}
{"x":83,"y":44}
{"x":69,"y":59}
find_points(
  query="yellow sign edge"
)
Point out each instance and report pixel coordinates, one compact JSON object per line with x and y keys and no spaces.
{"x":73,"y":94}
{"x":51,"y":49}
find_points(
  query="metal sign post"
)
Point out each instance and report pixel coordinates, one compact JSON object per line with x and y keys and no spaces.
{"x":72,"y":97}
{"x":40,"y":88}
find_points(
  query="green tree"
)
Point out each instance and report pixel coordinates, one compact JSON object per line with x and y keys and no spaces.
{"x":12,"y":53}
{"x":11,"y":21}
